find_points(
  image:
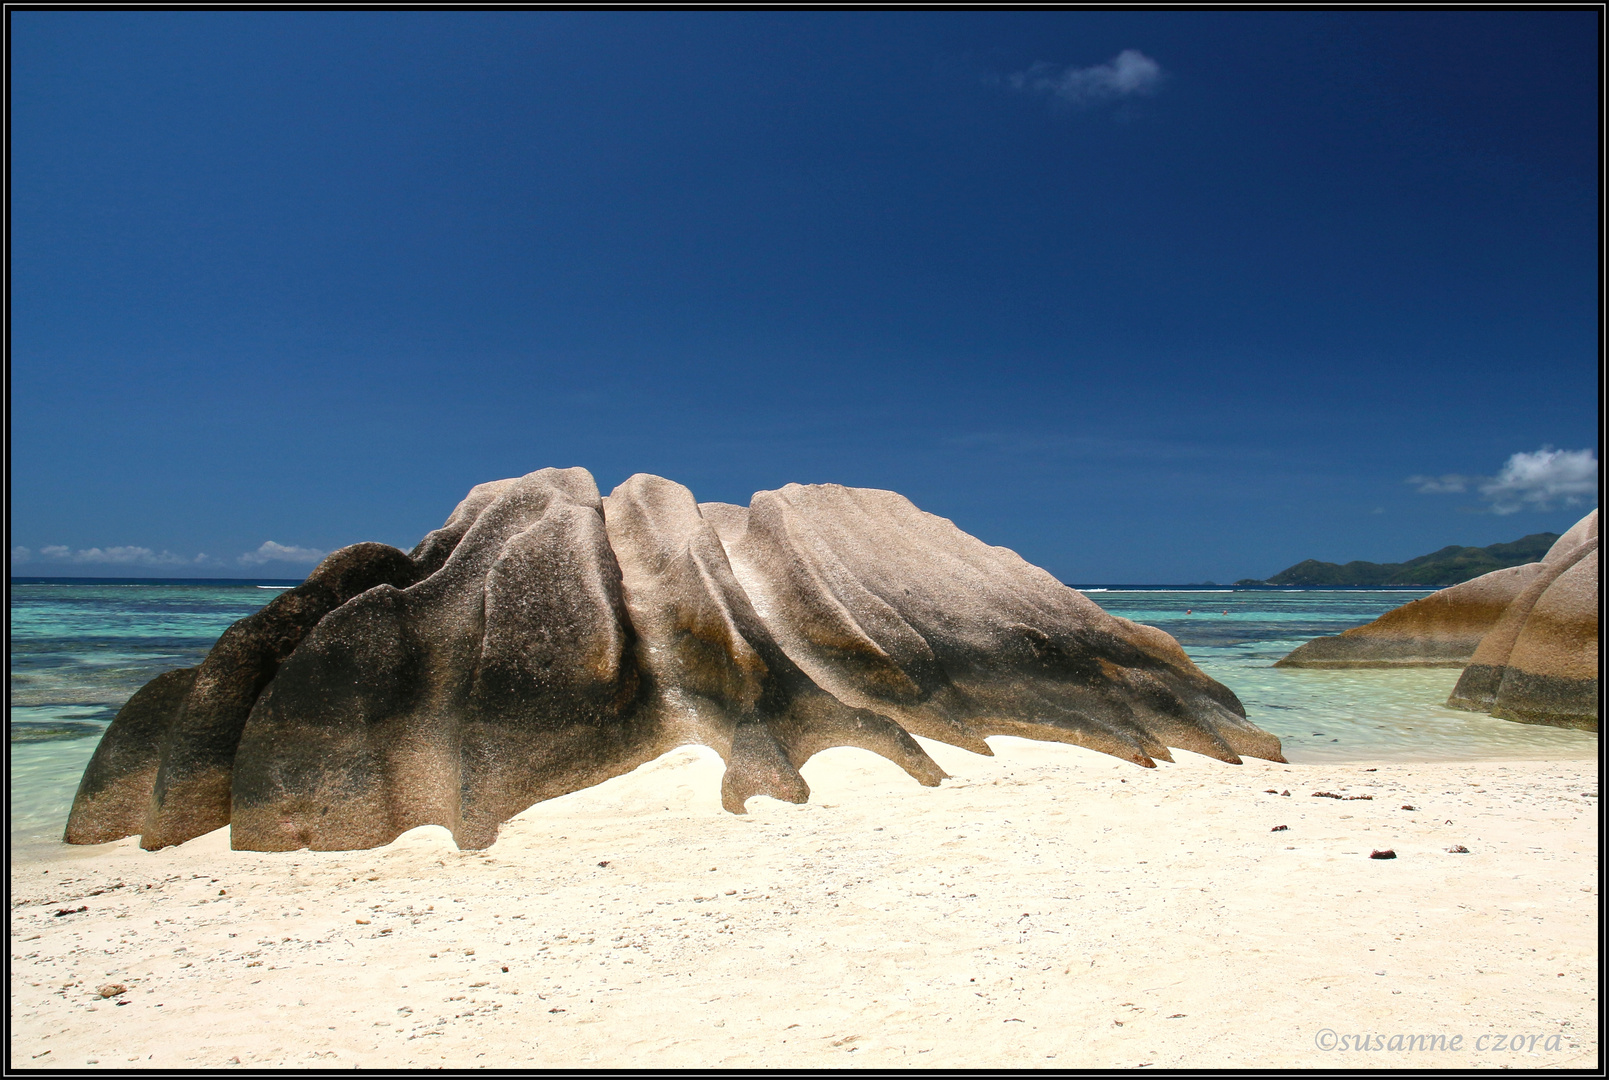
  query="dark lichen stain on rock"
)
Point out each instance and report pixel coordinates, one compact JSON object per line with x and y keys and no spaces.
{"x":546,"y":639}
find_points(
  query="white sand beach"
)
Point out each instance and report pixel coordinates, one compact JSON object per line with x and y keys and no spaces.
{"x":1049,"y":907}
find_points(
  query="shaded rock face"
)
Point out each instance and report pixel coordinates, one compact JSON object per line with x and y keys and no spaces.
{"x":546,"y":639}
{"x":164,"y":767}
{"x":1526,"y":637}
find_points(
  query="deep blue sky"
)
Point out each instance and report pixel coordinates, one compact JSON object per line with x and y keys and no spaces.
{"x":307,"y":277}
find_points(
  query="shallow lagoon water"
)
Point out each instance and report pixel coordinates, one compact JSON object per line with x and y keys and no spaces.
{"x":1356,"y":714}
{"x":79,"y":650}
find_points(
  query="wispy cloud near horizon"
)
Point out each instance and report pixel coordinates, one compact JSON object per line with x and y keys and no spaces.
{"x":1128,"y":74}
{"x":123,"y":555}
{"x":288,"y":553}
{"x":133,"y":555}
{"x":1535,"y":481}
{"x":1446,"y":484}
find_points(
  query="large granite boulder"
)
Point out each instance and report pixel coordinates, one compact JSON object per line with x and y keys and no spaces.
{"x":546,"y":639}
{"x":1526,"y":637}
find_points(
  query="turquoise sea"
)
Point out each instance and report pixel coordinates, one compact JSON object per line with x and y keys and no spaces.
{"x":79,"y":649}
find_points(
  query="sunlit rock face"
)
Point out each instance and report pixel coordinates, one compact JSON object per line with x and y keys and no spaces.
{"x":546,"y":639}
{"x":1526,"y":637}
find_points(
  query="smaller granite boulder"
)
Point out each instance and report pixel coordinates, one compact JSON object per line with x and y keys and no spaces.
{"x":1439,"y":630}
{"x":1526,"y":637}
{"x":1539,"y":663}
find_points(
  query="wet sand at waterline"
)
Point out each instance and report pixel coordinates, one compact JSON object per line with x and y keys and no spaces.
{"x":1048,"y":907}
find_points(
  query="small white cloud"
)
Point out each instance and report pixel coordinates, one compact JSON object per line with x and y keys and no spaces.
{"x":1541,"y":479}
{"x":1127,"y":74}
{"x":20,"y":554}
{"x":1442,"y":485}
{"x":1536,"y":481}
{"x":272,"y":552}
{"x":55,"y":551}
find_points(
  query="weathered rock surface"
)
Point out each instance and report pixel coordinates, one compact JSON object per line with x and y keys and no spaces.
{"x":1526,"y":637}
{"x":546,"y":639}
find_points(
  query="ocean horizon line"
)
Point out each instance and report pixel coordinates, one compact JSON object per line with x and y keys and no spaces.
{"x":20,"y":579}
{"x":17,"y":579}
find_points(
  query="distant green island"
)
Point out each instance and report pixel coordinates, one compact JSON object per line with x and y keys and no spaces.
{"x":1449,"y":566}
